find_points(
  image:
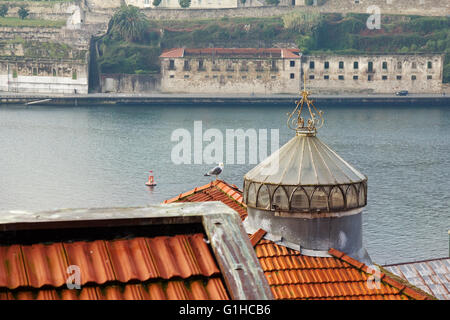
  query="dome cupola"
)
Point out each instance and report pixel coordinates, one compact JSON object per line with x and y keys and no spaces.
{"x":305,"y":194}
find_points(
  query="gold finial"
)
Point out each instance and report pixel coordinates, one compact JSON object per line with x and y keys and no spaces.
{"x":298,"y":123}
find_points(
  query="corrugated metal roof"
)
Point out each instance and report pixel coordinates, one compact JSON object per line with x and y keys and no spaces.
{"x":432,"y":276}
{"x":217,"y":190}
{"x":173,"y":267}
{"x":304,"y":161}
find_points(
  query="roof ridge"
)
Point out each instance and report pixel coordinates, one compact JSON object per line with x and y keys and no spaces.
{"x":403,"y":287}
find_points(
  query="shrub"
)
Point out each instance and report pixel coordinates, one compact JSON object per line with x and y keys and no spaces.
{"x":23,"y":12}
{"x":3,"y":10}
{"x":184,"y":3}
{"x":156,"y":2}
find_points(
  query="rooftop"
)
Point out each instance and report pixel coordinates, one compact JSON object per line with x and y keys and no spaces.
{"x":432,"y":276}
{"x":174,"y":251}
{"x":233,"y":52}
{"x":292,"y":275}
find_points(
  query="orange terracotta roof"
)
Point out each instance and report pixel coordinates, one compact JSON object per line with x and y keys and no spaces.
{"x":173,"y":53}
{"x":217,"y":190}
{"x":292,"y":275}
{"x":162,"y":267}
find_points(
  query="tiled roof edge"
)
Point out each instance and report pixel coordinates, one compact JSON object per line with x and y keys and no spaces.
{"x":257,"y":236}
{"x":388,"y":278}
{"x":218,"y":185}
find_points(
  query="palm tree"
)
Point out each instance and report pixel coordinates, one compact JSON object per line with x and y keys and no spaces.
{"x":130,"y":23}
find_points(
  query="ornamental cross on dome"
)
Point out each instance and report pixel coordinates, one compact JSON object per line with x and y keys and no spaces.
{"x":315,"y":120}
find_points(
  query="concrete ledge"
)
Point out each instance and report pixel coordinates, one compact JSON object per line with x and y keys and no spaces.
{"x":186,"y":99}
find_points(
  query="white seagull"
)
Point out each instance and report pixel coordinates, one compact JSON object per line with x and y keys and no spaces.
{"x":215,"y":171}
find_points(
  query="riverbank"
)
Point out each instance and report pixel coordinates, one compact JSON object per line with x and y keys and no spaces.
{"x":197,"y":99}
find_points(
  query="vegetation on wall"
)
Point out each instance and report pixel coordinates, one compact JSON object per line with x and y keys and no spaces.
{"x":130,"y":45}
{"x":3,"y":10}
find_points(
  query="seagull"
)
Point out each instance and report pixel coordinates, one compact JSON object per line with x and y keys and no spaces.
{"x":215,"y":171}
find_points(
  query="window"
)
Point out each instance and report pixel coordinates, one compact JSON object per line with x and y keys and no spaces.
{"x":206,"y":77}
{"x":311,"y":64}
{"x":341,"y":77}
{"x":355,"y":65}
{"x":230,"y":77}
{"x":172,"y":76}
{"x":274,"y":66}
{"x":326,"y":65}
{"x":311,"y":77}
{"x":384,"y":78}
{"x":429,"y":77}
{"x":200,"y":65}
{"x":14,"y":73}
{"x":384,"y":65}
{"x":292,"y":76}
{"x":326,"y":77}
{"x":399,"y":65}
{"x":215,"y":76}
{"x":186,"y":65}
{"x":274,"y":77}
{"x":34,"y":71}
{"x":258,"y":77}
{"x":341,"y":64}
{"x":355,"y":77}
{"x":370,"y":66}
{"x":399,"y":77}
{"x":414,"y":65}
{"x":186,"y":76}
{"x":292,"y":63}
{"x":244,"y":77}
{"x":413,"y":77}
{"x":369,"y":78}
{"x":171,"y":64}
{"x":74,"y":75}
{"x":54,"y":72}
{"x":430,"y":65}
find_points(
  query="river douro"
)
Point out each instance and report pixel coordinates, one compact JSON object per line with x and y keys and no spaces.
{"x":99,"y":156}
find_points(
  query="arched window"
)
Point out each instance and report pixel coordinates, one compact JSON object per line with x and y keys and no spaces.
{"x":251,"y":195}
{"x":352,"y":197}
{"x":280,"y":199}
{"x":362,"y":195}
{"x":337,"y":199}
{"x":319,"y":199}
{"x":299,"y":200}
{"x":263,"y":199}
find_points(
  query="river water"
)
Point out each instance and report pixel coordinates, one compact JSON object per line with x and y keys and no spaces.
{"x":99,"y":156}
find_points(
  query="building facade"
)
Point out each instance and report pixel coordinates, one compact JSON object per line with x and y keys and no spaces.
{"x":39,"y":75}
{"x":237,"y":71}
{"x":419,"y":73}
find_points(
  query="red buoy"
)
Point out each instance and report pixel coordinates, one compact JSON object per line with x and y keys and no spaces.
{"x":151,"y":180}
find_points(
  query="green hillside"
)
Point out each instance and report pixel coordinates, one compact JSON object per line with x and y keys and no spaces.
{"x":312,"y":32}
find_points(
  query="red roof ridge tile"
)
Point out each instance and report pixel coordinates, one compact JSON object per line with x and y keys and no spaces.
{"x":257,"y":236}
{"x":387,"y":279}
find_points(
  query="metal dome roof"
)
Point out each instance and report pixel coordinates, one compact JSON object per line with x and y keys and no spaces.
{"x":305,"y":175}
{"x":304,"y":161}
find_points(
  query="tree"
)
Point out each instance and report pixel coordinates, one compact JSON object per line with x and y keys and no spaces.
{"x":184,"y":3}
{"x":156,"y":2}
{"x":23,"y":12}
{"x":3,"y":10}
{"x":130,"y":23}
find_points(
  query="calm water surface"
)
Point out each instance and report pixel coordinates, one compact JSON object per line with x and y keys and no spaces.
{"x":66,"y":157}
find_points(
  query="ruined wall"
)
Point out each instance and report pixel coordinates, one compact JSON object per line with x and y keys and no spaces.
{"x":420,"y":73}
{"x":129,"y":83}
{"x":23,"y":75}
{"x":234,"y":76}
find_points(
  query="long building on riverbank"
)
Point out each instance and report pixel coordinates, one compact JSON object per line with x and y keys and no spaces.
{"x":274,"y":70}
